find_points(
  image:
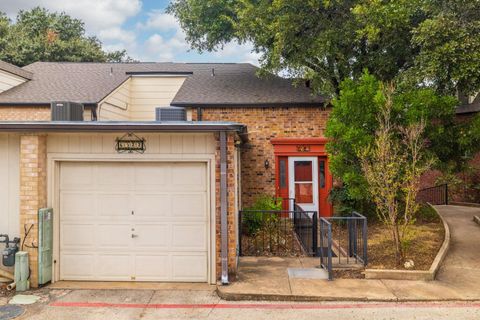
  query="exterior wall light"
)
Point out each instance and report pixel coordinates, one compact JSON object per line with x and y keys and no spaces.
{"x":267,"y":164}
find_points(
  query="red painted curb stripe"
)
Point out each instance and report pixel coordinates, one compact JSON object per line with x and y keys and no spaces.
{"x":263,"y":306}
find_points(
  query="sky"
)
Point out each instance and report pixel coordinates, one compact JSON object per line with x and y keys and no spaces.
{"x":140,"y":26}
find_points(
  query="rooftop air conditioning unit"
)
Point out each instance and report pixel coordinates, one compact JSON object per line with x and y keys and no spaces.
{"x":170,"y":114}
{"x":67,"y":111}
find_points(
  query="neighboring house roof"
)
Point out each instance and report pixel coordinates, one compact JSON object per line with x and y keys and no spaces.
{"x":5,"y":66}
{"x":89,"y":83}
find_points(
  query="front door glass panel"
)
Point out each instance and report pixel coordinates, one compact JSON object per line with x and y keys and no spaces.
{"x":303,"y":181}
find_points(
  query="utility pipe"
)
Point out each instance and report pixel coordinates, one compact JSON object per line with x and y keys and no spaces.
{"x":223,"y":206}
{"x":11,"y":286}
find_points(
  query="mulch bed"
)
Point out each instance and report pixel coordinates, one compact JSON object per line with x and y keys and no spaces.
{"x":276,"y":241}
{"x":426,"y":239}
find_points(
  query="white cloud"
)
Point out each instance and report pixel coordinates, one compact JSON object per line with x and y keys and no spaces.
{"x":238,"y":52}
{"x":98,"y":15}
{"x":158,"y":38}
{"x":160,"y":21}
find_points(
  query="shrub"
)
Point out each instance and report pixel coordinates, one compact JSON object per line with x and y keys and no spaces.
{"x":256,"y":219}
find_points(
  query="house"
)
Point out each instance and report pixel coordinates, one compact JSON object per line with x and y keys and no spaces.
{"x":135,"y":199}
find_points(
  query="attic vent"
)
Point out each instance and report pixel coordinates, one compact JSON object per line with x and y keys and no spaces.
{"x":170,"y":114}
{"x":66,"y":111}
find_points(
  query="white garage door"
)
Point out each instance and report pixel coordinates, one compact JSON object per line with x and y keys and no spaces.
{"x":133,"y":221}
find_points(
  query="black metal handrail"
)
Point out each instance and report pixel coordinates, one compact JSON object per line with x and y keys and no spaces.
{"x":352,"y":234}
{"x":275,"y":232}
{"x":306,"y":224}
{"x":437,"y":195}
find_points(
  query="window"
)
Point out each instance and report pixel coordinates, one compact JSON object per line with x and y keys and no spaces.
{"x":321,"y":170}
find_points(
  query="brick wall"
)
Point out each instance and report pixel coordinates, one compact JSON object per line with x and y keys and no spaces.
{"x":25,"y":113}
{"x":33,"y":194}
{"x":264,"y":124}
{"x":232,"y":241}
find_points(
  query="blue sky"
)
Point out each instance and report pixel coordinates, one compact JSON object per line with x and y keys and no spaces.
{"x":140,"y":26}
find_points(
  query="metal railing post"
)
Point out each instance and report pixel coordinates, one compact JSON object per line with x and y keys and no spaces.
{"x":330,"y":274}
{"x":314,"y":234}
{"x":365,"y":239}
{"x":446,"y":193}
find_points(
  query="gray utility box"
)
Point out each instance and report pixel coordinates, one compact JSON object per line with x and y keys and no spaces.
{"x":170,"y":114}
{"x":67,"y":111}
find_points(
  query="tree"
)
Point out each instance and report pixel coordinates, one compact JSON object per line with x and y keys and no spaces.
{"x":421,"y":43}
{"x":392,"y":165}
{"x":353,"y":123}
{"x":40,"y":35}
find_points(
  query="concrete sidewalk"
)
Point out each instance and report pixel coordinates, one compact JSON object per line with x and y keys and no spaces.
{"x":263,"y":278}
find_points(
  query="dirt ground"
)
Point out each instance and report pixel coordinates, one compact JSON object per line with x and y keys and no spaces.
{"x":425,"y":239}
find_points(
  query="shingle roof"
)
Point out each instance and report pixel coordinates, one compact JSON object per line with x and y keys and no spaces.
{"x":89,"y":83}
{"x":5,"y":66}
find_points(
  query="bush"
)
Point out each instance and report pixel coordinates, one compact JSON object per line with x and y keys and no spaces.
{"x":427,"y":213}
{"x":255,"y":219}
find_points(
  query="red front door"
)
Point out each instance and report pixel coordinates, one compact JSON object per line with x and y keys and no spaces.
{"x":286,"y":148}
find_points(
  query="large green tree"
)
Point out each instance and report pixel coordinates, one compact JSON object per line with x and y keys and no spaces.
{"x":431,"y":43}
{"x":40,"y":35}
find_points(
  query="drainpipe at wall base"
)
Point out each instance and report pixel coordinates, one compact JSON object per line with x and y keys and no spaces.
{"x":223,"y":207}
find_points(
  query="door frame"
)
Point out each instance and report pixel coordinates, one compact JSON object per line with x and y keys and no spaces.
{"x":53,"y":195}
{"x":303,"y":147}
{"x":291,"y":181}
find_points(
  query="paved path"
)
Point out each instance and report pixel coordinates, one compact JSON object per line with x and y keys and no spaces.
{"x":459,"y":278}
{"x":461,"y":268}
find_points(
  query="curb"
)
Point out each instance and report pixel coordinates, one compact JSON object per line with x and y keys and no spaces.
{"x":229,"y":296}
{"x":427,"y":275}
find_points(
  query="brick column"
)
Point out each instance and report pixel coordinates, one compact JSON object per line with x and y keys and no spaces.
{"x":232,"y":241}
{"x":33,"y":194}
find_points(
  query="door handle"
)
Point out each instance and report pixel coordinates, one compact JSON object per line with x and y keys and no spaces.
{"x":134,"y":235}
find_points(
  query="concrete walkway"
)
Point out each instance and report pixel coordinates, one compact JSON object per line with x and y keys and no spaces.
{"x":263,"y":278}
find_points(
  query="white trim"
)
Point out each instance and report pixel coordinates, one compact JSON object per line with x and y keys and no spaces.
{"x":291,"y":181}
{"x":53,"y":169}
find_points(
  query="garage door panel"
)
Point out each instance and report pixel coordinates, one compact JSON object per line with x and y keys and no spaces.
{"x":113,"y":204}
{"x":152,"y":237}
{"x":149,"y":267}
{"x":112,"y":236}
{"x":76,"y":235}
{"x":114,"y":267}
{"x":152,"y":205}
{"x":189,"y":267}
{"x":77,"y":176}
{"x":77,"y":204}
{"x":77,"y":266}
{"x":189,"y":205}
{"x":189,"y":176}
{"x":147,"y":175}
{"x":113,"y":177}
{"x":169,"y":221}
{"x":191,"y":237}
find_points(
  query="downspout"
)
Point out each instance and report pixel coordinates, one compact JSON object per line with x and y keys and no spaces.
{"x":223,"y":207}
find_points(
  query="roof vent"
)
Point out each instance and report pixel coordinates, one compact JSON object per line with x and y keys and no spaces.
{"x":170,"y":114}
{"x":66,"y":111}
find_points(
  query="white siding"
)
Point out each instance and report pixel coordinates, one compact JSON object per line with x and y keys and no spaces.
{"x":9,"y":184}
{"x":116,"y":106}
{"x":8,"y":81}
{"x":136,"y":98}
{"x":171,"y":144}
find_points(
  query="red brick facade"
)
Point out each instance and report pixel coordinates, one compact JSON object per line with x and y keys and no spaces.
{"x":263,"y":124}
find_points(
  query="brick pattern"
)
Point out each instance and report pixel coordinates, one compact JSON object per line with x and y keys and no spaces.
{"x":232,"y":241}
{"x":264,"y":124}
{"x":33,"y":194}
{"x":25,"y":113}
